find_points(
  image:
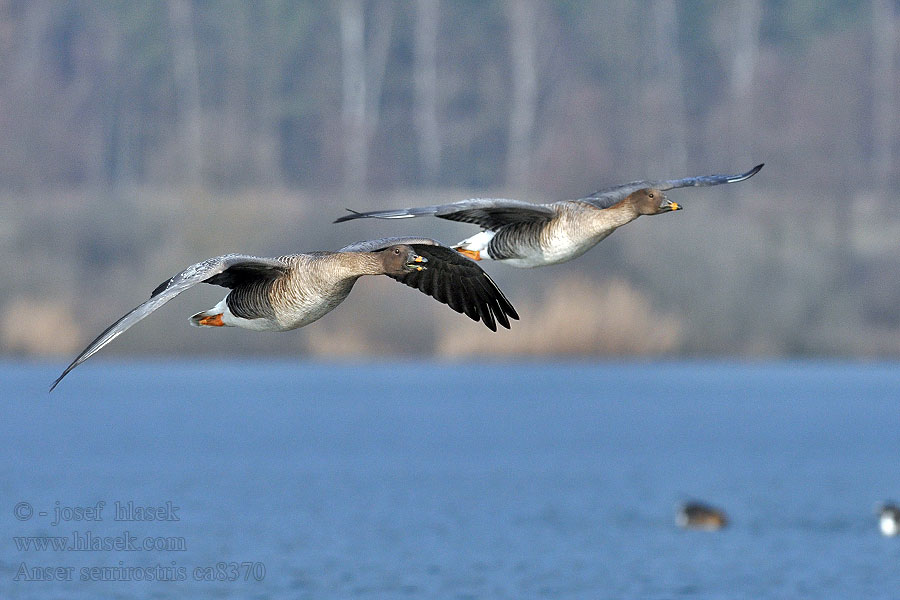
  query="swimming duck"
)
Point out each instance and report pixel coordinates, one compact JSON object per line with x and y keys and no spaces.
{"x":523,"y":234}
{"x":695,"y":515}
{"x":889,"y":520}
{"x":287,"y":292}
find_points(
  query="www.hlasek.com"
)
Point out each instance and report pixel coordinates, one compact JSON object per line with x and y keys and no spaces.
{"x":217,"y":572}
{"x":88,"y":542}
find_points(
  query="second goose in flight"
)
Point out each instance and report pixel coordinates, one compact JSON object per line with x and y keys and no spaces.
{"x":523,"y":234}
{"x":279,"y":294}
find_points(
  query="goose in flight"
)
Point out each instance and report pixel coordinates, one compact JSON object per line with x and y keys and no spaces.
{"x":284,"y":293}
{"x":524,"y":234}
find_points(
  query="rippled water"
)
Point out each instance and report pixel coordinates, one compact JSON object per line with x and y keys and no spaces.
{"x":416,"y":480}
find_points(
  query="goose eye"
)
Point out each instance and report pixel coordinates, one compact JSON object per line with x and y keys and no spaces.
{"x":397,"y":251}
{"x":650,"y":195}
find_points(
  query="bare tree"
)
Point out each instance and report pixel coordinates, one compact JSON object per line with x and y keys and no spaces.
{"x":382,"y":24}
{"x":667,"y":85}
{"x":353,"y":107}
{"x":187,"y":88}
{"x":521,"y":16}
{"x":884,"y":82}
{"x":251,"y":100}
{"x":426,"y":33}
{"x":362,"y":83}
{"x":26,"y":92}
{"x":743,"y":67}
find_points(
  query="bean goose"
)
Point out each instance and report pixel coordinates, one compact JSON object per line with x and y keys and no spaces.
{"x":284,"y":293}
{"x":524,"y":234}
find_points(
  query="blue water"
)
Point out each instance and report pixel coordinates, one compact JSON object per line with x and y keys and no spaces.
{"x":416,"y":480}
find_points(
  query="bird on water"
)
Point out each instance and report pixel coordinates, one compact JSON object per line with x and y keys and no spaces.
{"x":697,"y":515}
{"x":524,"y":234}
{"x":889,"y":520}
{"x":287,"y":292}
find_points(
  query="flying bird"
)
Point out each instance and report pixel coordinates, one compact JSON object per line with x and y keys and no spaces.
{"x":523,"y":234}
{"x":287,"y":292}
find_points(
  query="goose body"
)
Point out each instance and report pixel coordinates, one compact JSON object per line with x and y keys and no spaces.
{"x":287,"y":292}
{"x":527,"y":235}
{"x":312,"y":285}
{"x":574,"y":229}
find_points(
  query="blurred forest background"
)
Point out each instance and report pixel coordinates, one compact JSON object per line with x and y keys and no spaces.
{"x":141,"y":136}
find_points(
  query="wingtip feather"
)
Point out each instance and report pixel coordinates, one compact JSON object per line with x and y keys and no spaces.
{"x":354,"y":214}
{"x":749,"y":173}
{"x":60,"y":378}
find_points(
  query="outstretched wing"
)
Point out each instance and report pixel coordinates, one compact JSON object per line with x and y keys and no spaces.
{"x":382,"y":243}
{"x":488,"y":213}
{"x":607,"y":197}
{"x":228,"y":271}
{"x":450,"y":278}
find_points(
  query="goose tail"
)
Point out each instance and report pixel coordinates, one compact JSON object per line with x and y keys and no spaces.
{"x":475,"y":247}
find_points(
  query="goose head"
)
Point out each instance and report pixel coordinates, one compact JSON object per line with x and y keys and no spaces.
{"x":401,"y":259}
{"x":650,"y":201}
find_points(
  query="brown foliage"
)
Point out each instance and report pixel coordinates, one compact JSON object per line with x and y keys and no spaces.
{"x":574,"y":316}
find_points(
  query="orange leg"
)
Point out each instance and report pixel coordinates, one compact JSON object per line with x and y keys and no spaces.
{"x":473,"y":254}
{"x":213,"y":321}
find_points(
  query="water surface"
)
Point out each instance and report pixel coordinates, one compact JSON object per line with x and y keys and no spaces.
{"x":421,"y":480}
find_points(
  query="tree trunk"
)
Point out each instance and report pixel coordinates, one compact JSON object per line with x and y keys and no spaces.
{"x":667,"y":87}
{"x":521,"y":16}
{"x":353,"y":107}
{"x":187,"y":89}
{"x":377,"y":52}
{"x":362,"y":83}
{"x":258,"y":64}
{"x":26,"y":86}
{"x":743,"y":68}
{"x":884,"y":81}
{"x":426,"y":32}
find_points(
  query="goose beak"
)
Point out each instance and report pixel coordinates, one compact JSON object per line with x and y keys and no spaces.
{"x":417,"y":263}
{"x":674,"y":206}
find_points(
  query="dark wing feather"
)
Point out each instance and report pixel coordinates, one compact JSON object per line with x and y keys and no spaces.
{"x":488,"y":213}
{"x":228,"y":271}
{"x":607,"y":197}
{"x":458,"y":282}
